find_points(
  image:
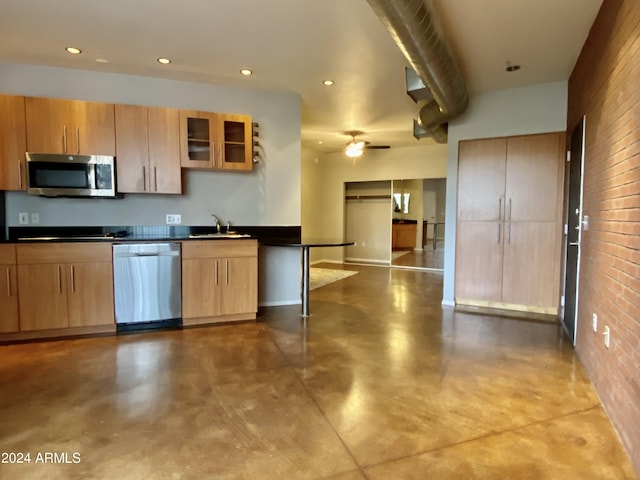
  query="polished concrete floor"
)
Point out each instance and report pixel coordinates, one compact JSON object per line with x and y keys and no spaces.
{"x":382,"y":383}
{"x":425,"y":258}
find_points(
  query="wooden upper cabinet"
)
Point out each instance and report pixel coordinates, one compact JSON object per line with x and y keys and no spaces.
{"x":13,"y":143}
{"x":147,"y":149}
{"x":216,"y":141}
{"x":198,"y":139}
{"x":69,"y":126}
{"x":236,"y":142}
{"x":481,"y":177}
{"x":164,"y":150}
{"x":534,"y":177}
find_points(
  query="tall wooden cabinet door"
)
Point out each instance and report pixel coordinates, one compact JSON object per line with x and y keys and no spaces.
{"x":132,"y":148}
{"x":8,"y":299}
{"x":42,"y":298}
{"x":164,"y":150}
{"x":481,"y":177}
{"x":531,"y":266}
{"x":479,"y":261}
{"x":94,"y":125}
{"x":533,"y":179}
{"x":90,"y":294}
{"x":50,"y":128}
{"x":200,"y":281}
{"x":198,"y":139}
{"x":235,"y":136}
{"x":239,"y":285}
{"x":13,"y":143}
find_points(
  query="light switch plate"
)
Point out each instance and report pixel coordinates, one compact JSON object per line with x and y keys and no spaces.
{"x":23,"y":218}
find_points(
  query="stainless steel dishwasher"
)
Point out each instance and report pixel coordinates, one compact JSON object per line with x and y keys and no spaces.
{"x":147,"y":285}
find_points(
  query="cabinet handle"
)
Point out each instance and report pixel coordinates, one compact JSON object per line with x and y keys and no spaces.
{"x":77,"y":140}
{"x":8,"y":283}
{"x":64,"y":139}
{"x":215,"y":273}
{"x":509,"y":209}
{"x":155,"y":178}
{"x":20,"y":174}
{"x":500,"y":208}
{"x":59,"y":281}
{"x":226,"y":274}
{"x":499,"y":232}
{"x":144,"y":178}
{"x":73,"y":280}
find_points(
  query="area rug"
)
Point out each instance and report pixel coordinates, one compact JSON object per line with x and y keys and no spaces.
{"x":319,"y":277}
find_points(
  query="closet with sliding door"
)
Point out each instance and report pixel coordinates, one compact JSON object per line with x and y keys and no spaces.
{"x":509,"y":222}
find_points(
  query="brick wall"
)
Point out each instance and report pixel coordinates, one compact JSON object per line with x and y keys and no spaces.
{"x":605,"y":86}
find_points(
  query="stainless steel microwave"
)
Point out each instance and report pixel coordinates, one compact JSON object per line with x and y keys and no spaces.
{"x":61,"y":175}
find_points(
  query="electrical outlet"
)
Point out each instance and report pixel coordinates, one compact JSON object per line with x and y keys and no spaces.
{"x":23,"y":218}
{"x":607,"y":336}
{"x":174,"y":219}
{"x":595,"y":322}
{"x":35,"y":218}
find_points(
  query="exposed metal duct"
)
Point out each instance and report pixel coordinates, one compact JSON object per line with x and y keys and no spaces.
{"x":414,"y":28}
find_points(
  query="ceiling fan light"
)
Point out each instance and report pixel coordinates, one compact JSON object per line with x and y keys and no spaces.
{"x":353,"y":150}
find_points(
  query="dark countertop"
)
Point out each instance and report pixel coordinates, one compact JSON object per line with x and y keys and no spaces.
{"x":401,"y":221}
{"x":307,"y":242}
{"x":159,"y":233}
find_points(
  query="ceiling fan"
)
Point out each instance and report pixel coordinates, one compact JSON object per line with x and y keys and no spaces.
{"x":355,"y":148}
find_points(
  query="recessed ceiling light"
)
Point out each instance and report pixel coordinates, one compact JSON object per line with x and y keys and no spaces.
{"x":246,"y":72}
{"x":102,"y":60}
{"x":511,"y":67}
{"x":327,"y":83}
{"x":320,"y":142}
{"x":73,"y":50}
{"x":164,"y":61}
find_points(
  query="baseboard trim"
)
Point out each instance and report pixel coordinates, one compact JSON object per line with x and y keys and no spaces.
{"x":280,"y":303}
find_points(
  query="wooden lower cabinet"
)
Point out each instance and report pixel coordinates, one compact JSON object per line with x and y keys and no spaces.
{"x":531,"y":272}
{"x":219,"y":281}
{"x":8,"y":290}
{"x":403,"y":235}
{"x":479,"y":262}
{"x":90,"y":295}
{"x":511,"y":265}
{"x":64,"y":286}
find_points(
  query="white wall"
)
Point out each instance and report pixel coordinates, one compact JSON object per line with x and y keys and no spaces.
{"x":536,"y":109}
{"x":268,"y":196}
{"x":329,"y":173}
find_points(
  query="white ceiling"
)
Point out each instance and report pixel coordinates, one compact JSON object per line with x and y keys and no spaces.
{"x":293,"y":45}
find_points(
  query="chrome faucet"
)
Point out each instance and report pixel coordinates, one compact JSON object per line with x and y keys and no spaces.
{"x":217,"y":220}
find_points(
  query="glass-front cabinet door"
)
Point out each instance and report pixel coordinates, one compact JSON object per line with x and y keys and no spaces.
{"x":236,"y":143}
{"x":198,"y":143}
